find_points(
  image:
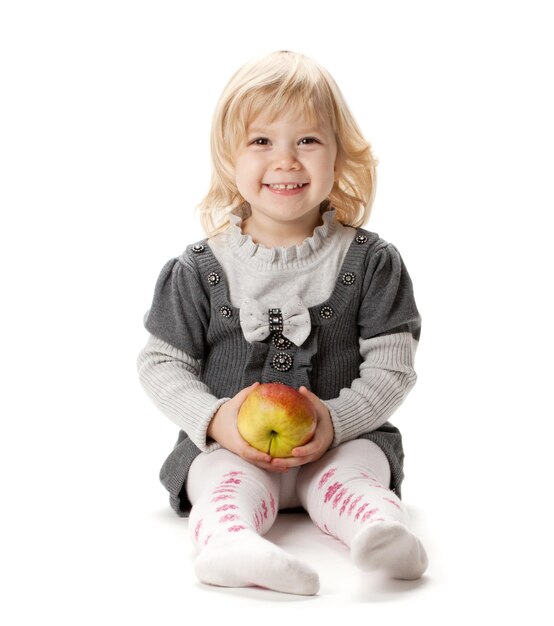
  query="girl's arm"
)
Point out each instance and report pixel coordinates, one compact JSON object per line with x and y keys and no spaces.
{"x":389,"y":329}
{"x":170,"y":377}
{"x":386,"y":377}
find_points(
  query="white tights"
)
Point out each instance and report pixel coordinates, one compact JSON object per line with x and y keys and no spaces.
{"x":345,"y":493}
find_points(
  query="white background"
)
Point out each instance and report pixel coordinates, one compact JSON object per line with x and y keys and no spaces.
{"x":104,"y":124}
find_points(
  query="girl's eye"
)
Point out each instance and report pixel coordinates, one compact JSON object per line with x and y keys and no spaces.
{"x":264,"y":141}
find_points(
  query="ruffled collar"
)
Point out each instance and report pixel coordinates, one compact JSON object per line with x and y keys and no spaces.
{"x":301,"y":254}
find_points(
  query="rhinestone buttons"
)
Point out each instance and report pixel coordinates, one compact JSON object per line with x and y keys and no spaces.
{"x":348,"y":278}
{"x":275,"y":321}
{"x":360,"y":239}
{"x":326,"y":312}
{"x":282,"y":362}
{"x":197,"y":248}
{"x":213,"y":278}
{"x":225,"y":311}
{"x":281,"y":343}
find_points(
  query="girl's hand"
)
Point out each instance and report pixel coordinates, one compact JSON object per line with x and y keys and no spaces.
{"x":318,"y":444}
{"x":223,"y":428}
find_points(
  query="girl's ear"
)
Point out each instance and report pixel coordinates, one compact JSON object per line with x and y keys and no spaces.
{"x":337,"y":169}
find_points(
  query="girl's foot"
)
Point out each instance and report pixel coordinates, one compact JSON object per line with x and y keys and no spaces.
{"x":391,"y":548}
{"x":251,"y":561}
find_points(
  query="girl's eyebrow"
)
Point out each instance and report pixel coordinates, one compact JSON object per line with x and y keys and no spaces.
{"x":315,"y":129}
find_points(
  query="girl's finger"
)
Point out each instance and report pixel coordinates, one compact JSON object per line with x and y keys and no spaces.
{"x":243,"y":393}
{"x":252,"y":454}
{"x":274,"y":468}
{"x":290,"y":462}
{"x":306,"y":392}
{"x":309,"y":448}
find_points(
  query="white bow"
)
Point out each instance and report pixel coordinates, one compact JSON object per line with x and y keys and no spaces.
{"x":254,"y":321}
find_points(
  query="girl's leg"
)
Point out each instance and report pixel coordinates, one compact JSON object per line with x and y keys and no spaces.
{"x":346,"y":494}
{"x":234,"y":504}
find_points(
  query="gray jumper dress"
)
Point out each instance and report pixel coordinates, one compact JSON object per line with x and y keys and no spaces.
{"x":191,"y":310}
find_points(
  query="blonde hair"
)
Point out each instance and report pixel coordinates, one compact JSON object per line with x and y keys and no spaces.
{"x":287,"y":80}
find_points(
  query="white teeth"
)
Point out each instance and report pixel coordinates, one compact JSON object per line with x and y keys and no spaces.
{"x":282,"y":186}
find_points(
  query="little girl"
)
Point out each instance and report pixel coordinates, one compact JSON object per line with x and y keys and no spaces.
{"x":286,"y":288}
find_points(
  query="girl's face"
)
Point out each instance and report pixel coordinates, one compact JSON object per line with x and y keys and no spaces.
{"x":286,"y":169}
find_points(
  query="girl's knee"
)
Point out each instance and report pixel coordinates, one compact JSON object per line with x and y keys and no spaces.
{"x":349,"y":458}
{"x":209,"y":469}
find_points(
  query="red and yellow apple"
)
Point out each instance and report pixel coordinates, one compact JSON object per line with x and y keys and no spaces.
{"x":275,"y":419}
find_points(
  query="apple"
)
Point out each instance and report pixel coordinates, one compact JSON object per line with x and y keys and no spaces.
{"x":275,"y":419}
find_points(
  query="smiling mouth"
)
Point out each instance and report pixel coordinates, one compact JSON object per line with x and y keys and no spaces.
{"x":285,"y":186}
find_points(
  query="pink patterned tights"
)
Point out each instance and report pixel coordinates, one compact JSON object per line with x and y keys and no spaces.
{"x":345,"y":493}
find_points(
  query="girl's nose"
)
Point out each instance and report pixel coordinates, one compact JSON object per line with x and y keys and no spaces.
{"x":286,"y":159}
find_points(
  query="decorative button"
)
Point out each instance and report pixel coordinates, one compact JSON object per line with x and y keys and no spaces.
{"x":197,"y":248}
{"x":360,"y":238}
{"x":348,"y":278}
{"x":275,"y":321}
{"x":225,"y":311}
{"x":281,"y":343}
{"x":326,"y":312}
{"x":213,"y":278}
{"x":282,"y":362}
